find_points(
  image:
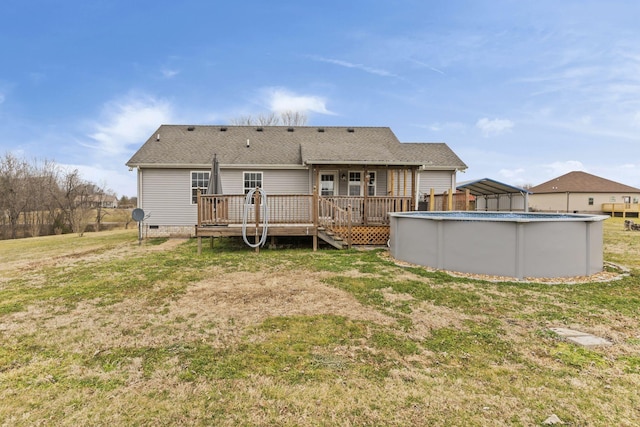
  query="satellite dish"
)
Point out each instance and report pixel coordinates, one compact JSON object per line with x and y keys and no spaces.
{"x":137,"y":214}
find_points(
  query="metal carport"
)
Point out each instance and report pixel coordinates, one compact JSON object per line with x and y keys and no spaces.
{"x":488,"y":188}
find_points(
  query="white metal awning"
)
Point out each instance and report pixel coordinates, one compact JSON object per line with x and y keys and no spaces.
{"x":487,"y":187}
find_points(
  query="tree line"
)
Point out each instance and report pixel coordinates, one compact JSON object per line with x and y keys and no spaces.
{"x":284,"y":118}
{"x":40,"y":198}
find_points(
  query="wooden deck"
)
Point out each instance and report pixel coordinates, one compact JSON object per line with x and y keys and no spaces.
{"x":341,"y":221}
{"x":624,"y":209}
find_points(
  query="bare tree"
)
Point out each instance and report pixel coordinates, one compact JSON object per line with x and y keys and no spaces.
{"x":35,"y":195}
{"x":101,"y":194}
{"x":74,"y":200}
{"x":267,"y":119}
{"x":40,"y":209}
{"x":13,"y":192}
{"x":293,"y":118}
{"x":242,"y":121}
{"x":285,"y":118}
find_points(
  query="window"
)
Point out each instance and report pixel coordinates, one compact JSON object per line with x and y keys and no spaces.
{"x":251,"y":180}
{"x":590,"y":201}
{"x":199,"y":181}
{"x":355,"y":180}
{"x":371,"y":186}
{"x":327,"y":184}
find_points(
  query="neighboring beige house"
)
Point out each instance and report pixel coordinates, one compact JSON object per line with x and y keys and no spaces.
{"x":105,"y":201}
{"x":580,"y":192}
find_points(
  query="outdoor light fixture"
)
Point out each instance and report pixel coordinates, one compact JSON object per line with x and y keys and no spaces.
{"x":343,"y":177}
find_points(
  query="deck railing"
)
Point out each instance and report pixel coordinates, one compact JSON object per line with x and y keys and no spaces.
{"x":373,"y":209}
{"x":228,"y":209}
{"x":623,"y":208}
{"x":332,"y":215}
{"x":219,"y":209}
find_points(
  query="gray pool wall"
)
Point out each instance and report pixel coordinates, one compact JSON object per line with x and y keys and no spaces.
{"x":500,"y":244}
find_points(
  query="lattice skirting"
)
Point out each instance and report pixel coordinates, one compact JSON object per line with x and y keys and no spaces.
{"x":366,"y":235}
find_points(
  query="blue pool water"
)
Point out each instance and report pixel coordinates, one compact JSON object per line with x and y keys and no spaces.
{"x":500,"y":216}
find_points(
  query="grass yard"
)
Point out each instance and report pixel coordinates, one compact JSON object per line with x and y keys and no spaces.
{"x":98,"y":330}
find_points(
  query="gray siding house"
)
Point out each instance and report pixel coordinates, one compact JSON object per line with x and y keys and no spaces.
{"x":176,"y":164}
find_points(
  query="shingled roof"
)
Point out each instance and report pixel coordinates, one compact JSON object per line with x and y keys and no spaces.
{"x":582,"y":182}
{"x":194,"y":146}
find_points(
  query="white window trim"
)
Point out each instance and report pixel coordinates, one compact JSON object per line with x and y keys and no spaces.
{"x":349,"y":182}
{"x":245,"y":190}
{"x":191,"y":187}
{"x":244,"y":173}
{"x":375,"y":183}
{"x":336,"y":181}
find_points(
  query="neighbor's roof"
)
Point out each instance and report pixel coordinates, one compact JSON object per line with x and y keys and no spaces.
{"x":582,"y":182}
{"x":488,"y":187}
{"x":191,"y":146}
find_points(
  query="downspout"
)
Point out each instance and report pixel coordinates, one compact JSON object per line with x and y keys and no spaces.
{"x":568,"y":201}
{"x":365,"y":199}
{"x":139,"y":188}
{"x":414,"y":189}
{"x":417,"y":192}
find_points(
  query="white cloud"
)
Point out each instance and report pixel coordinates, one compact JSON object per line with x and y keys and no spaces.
{"x":281,"y":100}
{"x":511,"y":174}
{"x":494,"y":127}
{"x":362,"y":67}
{"x":168,"y":74}
{"x":427,"y":66}
{"x":560,"y":168}
{"x":127,"y":121}
{"x":446,"y":126}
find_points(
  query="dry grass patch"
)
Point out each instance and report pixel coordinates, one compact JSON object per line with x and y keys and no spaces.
{"x":113,"y":333}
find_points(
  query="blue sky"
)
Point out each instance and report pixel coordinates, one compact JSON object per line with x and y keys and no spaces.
{"x":521,"y":91}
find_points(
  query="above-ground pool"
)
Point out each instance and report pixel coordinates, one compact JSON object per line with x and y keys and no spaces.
{"x":513,"y":244}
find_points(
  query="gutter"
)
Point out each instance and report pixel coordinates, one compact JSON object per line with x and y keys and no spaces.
{"x":305,"y":166}
{"x":208,"y":166}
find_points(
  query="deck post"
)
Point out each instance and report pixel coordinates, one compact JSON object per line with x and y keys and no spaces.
{"x":199,"y":245}
{"x":199,"y":207}
{"x":432,"y":199}
{"x":365,"y":201}
{"x":314,"y":213}
{"x":391,"y":176}
{"x":349,"y":237}
{"x":404,"y":182}
{"x":414,"y":194}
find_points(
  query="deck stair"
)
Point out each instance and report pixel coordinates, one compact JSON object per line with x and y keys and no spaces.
{"x":332,"y":238}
